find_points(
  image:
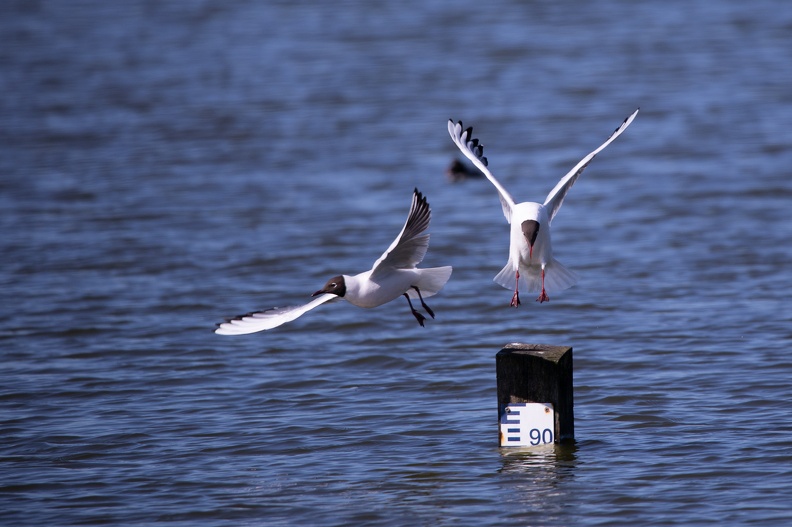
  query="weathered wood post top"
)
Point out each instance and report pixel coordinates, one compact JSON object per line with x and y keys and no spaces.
{"x":535,"y":373}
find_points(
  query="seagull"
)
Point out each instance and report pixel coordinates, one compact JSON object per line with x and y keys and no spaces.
{"x":530,"y":251}
{"x":394,"y":274}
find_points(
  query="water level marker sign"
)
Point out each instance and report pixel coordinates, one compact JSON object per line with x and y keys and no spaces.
{"x":527,"y":424}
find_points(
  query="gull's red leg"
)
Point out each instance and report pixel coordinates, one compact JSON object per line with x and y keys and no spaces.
{"x":515,"y":301}
{"x":543,"y":295}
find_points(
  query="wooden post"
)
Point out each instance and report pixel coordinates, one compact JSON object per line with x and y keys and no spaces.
{"x":537,"y":373}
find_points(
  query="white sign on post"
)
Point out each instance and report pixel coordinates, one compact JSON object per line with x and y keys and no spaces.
{"x":527,"y":424}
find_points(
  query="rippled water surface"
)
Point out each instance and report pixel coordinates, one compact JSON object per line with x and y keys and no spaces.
{"x":166,"y":165}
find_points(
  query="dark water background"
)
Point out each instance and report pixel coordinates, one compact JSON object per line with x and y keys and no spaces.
{"x":164,"y":165}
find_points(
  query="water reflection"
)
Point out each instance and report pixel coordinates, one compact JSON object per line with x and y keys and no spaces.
{"x":536,"y":480}
{"x":524,"y":458}
{"x":539,"y":466}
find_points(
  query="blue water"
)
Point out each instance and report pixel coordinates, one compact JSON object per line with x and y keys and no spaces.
{"x":163,"y":167}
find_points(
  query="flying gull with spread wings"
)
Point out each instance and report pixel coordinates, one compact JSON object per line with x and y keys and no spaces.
{"x":394,"y":274}
{"x":530,"y":251}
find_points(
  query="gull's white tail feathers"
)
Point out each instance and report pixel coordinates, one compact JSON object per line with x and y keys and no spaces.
{"x":557,"y":277}
{"x":505,"y":278}
{"x":431,"y":281}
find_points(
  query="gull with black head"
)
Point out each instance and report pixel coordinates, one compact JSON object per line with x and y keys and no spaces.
{"x":394,"y":274}
{"x":530,"y":251}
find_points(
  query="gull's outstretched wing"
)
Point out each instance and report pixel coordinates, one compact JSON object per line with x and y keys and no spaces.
{"x":557,"y":195}
{"x":474,"y":151}
{"x":409,"y":247}
{"x":271,"y":318}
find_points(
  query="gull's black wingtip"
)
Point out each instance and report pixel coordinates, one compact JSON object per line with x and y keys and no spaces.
{"x":420,"y":198}
{"x":625,"y":120}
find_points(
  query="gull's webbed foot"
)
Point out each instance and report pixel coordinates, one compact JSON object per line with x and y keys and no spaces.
{"x":419,"y":317}
{"x":515,"y":301}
